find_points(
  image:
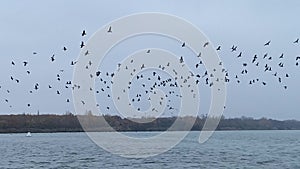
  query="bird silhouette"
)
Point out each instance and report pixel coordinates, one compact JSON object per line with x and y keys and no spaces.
{"x":233,"y":48}
{"x":280,"y":64}
{"x":73,"y":63}
{"x":240,"y":55}
{"x":281,"y":56}
{"x":109,"y":30}
{"x":82,"y":44}
{"x":267,"y":44}
{"x":181,"y":59}
{"x":52,"y":58}
{"x":86,"y":53}
{"x":98,"y":73}
{"x":297,"y":40}
{"x":83,"y":33}
{"x":254,"y":58}
{"x":25,"y":63}
{"x":183,"y":44}
{"x":206,"y":44}
{"x":199,"y":55}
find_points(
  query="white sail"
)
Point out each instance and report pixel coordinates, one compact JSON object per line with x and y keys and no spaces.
{"x":28,"y":134}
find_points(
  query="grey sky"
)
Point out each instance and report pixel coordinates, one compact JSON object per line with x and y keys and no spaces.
{"x":46,"y":26}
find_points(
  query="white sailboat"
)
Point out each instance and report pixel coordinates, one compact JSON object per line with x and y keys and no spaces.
{"x":28,"y":134}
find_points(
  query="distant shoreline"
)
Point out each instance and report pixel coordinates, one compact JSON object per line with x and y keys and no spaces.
{"x":143,"y":131}
{"x":69,"y":123}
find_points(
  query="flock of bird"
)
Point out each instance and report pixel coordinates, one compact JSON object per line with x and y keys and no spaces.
{"x":143,"y":83}
{"x":266,"y":67}
{"x":154,"y":79}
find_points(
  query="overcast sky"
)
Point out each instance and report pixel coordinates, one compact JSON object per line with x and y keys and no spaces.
{"x":45,"y":27}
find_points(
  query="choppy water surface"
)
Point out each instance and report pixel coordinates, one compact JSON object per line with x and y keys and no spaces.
{"x":226,"y":149}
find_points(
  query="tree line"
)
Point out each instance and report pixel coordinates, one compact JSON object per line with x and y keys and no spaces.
{"x":71,"y":123}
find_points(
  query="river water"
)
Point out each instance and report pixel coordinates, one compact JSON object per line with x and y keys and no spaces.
{"x":225,"y":149}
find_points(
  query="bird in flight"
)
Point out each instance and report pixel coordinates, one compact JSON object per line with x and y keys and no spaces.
{"x":83,"y":33}
{"x":82,"y":44}
{"x":73,"y":63}
{"x":233,"y":48}
{"x":297,"y":40}
{"x":199,"y":55}
{"x":280,"y":64}
{"x":281,"y":56}
{"x":109,"y":30}
{"x":254,"y":58}
{"x":98,"y":73}
{"x":25,"y":63}
{"x":181,"y":59}
{"x":183,"y":44}
{"x":240,"y":55}
{"x":268,"y":43}
{"x":64,"y":48}
{"x":86,"y":53}
{"x":205,"y":44}
{"x":52,"y":58}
